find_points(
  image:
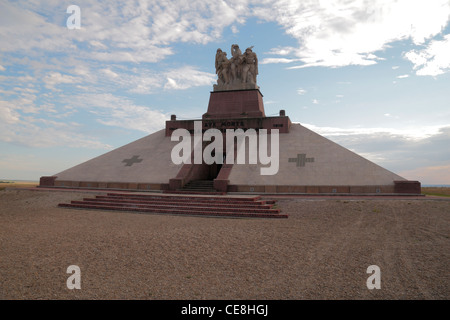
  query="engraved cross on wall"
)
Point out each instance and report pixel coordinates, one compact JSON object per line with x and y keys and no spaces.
{"x":301,"y":159}
{"x":133,"y":160}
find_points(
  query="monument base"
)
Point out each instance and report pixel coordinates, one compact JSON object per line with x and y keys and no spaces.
{"x":341,"y":190}
{"x":235,"y":86}
{"x":222,"y":184}
{"x":282,"y":123}
{"x":235,"y":104}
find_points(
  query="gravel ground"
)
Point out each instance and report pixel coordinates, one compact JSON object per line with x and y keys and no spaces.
{"x":321,"y":251}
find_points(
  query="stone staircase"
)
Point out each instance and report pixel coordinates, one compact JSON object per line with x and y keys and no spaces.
{"x":233,"y":207}
{"x":200,"y":185}
{"x":197,"y":187}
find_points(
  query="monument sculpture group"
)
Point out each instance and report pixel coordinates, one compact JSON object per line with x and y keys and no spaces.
{"x":238,"y":72}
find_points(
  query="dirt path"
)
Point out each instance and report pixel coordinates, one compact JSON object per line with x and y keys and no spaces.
{"x":321,"y":251}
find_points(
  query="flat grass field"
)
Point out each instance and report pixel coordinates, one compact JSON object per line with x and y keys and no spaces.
{"x":436,"y":191}
{"x":430,"y":191}
{"x":17,"y":184}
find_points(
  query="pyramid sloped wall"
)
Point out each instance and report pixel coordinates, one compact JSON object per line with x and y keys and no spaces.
{"x":308,"y":163}
{"x":152,"y":165}
{"x":327,"y":164}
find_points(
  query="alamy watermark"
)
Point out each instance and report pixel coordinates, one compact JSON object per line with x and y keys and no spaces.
{"x":374,"y":281}
{"x":74,"y":281}
{"x":214,"y":152}
{"x":74,"y":20}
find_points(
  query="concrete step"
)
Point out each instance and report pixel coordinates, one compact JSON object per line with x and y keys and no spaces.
{"x":201,"y":183}
{"x":197,"y":191}
{"x":183,"y":197}
{"x":195,"y":212}
{"x":209,"y":199}
{"x":240,"y":204}
{"x":186,"y":207}
{"x":194,"y":192}
{"x":251,"y":206}
{"x":199,"y":186}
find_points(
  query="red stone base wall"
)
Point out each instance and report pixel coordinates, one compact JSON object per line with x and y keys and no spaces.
{"x":222,"y":184}
{"x":407,"y":187}
{"x":282,"y":123}
{"x":47,"y":181}
{"x":386,"y":189}
{"x":111,"y":185}
{"x":234,"y":104}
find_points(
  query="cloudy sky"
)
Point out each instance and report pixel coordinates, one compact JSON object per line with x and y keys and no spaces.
{"x":373,"y":76}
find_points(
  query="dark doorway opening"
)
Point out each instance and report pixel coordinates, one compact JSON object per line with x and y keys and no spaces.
{"x":214,"y":168}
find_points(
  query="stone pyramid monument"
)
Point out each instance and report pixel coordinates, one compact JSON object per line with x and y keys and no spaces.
{"x":305,"y":161}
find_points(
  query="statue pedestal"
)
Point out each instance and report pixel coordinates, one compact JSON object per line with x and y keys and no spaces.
{"x":235,"y":86}
{"x":234,"y":109}
{"x":235,"y":104}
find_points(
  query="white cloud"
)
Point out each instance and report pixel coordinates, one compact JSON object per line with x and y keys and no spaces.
{"x":413,"y":153}
{"x":315,"y":101}
{"x":432,"y":60}
{"x":340,"y":33}
{"x":301,"y":91}
{"x":118,"y":111}
{"x":436,"y":174}
{"x":134,"y":117}
{"x":282,"y":51}
{"x":53,"y":79}
{"x":23,"y":29}
{"x":143,"y":84}
{"x":109,"y":73}
{"x":286,"y":51}
{"x":330,"y":33}
{"x":117,"y":31}
{"x":7,"y":113}
{"x":23,"y":123}
{"x":35,"y":132}
{"x":98,"y":44}
{"x":411,"y":133}
{"x":403,"y":76}
{"x":388,"y":115}
{"x":277,"y":60}
{"x":187,"y":77}
{"x":150,"y":54}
